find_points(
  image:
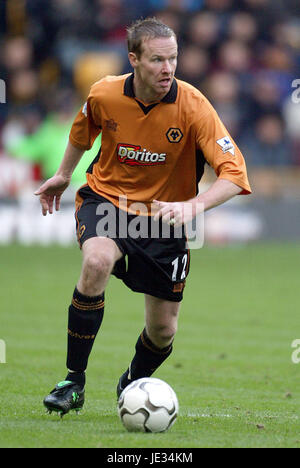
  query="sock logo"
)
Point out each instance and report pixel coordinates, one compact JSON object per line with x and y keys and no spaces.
{"x":81,"y":337}
{"x":134,"y":155}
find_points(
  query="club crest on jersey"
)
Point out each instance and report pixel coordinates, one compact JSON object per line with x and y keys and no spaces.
{"x":134,"y":155}
{"x":226,"y":145}
{"x":174,"y":135}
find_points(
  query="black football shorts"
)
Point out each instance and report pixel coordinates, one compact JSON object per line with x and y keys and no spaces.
{"x":152,"y":262}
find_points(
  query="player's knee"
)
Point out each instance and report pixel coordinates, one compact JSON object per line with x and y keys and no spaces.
{"x":164,"y":334}
{"x":169,"y":333}
{"x":98,"y":264}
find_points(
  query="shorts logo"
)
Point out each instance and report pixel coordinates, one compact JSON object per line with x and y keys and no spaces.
{"x":178,"y":287}
{"x":174,"y":135}
{"x":135,"y":156}
{"x":81,"y":231}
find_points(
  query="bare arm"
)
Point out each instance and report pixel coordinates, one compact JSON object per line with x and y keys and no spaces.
{"x":54,"y":187}
{"x":219,"y":192}
{"x":70,"y":160}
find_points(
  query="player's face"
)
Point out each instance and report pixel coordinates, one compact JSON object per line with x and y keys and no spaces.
{"x":155,"y":68}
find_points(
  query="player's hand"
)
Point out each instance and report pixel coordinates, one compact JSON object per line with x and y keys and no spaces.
{"x":50,"y":193}
{"x":174,"y":213}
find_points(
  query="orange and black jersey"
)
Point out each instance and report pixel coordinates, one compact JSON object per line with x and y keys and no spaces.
{"x":155,"y":151}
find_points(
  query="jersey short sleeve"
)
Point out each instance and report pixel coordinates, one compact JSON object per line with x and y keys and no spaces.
{"x":87,"y":124}
{"x":219,"y":149}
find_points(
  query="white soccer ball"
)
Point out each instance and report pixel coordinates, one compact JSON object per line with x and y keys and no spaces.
{"x":148,"y":405}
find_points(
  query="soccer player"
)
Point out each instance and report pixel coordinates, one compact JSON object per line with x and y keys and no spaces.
{"x":157,"y":134}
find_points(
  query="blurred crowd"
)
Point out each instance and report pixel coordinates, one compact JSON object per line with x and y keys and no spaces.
{"x":244,"y":55}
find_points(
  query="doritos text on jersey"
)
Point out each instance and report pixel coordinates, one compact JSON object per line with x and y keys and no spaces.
{"x":135,"y":156}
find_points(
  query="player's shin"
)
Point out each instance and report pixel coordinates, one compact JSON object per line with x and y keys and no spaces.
{"x":148,"y":357}
{"x":85,"y":318}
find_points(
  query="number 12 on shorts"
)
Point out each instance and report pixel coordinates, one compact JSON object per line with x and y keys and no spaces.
{"x":181,"y":266}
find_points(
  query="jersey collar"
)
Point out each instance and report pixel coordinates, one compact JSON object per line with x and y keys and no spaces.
{"x":169,"y":98}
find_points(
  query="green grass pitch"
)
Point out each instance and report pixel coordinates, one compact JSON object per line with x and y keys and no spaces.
{"x":231,"y":367}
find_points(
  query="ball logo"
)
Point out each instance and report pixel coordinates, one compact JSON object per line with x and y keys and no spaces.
{"x":134,"y":155}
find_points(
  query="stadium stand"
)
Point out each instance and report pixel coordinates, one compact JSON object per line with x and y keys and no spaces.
{"x":244,"y":55}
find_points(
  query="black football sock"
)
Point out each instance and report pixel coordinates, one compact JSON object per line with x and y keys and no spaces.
{"x":85,"y":318}
{"x":77,"y":377}
{"x":148,"y":357}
